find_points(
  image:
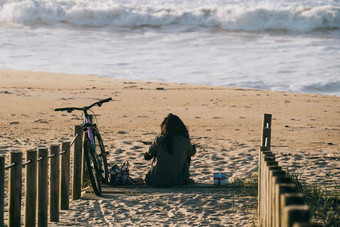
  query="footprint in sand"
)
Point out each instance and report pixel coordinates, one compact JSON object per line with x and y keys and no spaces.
{"x":132,"y":86}
{"x":119,"y":151}
{"x":205,"y":171}
{"x":121,"y":132}
{"x":6,"y":92}
{"x":136,"y":147}
{"x":231,"y":165}
{"x":41,"y":121}
{"x":146,"y":142}
{"x":219,"y":169}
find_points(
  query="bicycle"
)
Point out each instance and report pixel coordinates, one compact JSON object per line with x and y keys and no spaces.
{"x":96,"y":164}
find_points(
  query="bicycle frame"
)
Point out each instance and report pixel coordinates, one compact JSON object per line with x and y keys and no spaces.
{"x":89,"y":131}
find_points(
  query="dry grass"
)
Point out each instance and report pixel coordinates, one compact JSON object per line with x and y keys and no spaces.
{"x":324,"y":205}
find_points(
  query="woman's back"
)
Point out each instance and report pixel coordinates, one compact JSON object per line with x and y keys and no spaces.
{"x":170,"y":168}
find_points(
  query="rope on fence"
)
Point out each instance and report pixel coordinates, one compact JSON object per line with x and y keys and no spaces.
{"x":10,"y":165}
{"x":26,"y":163}
{"x":51,"y":156}
{"x":30,"y":161}
{"x":74,"y":139}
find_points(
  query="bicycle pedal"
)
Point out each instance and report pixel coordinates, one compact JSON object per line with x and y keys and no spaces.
{"x":103,"y":154}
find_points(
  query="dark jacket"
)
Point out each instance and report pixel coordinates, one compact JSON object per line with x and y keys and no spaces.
{"x":169,"y":169}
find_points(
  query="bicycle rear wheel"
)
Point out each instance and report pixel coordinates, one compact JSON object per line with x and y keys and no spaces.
{"x":92,"y":167}
{"x":101,"y":156}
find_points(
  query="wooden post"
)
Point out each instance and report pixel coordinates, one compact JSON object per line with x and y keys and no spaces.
{"x":266,"y":135}
{"x":295,"y":213}
{"x":15,"y":185}
{"x":85,"y":171}
{"x":267,"y":120}
{"x":31,"y":188}
{"x":65,"y":176}
{"x":281,"y":179}
{"x":265,"y":155}
{"x":77,"y":163}
{"x":273,"y":171}
{"x":266,"y":159}
{"x":273,"y":182}
{"x":268,"y":163}
{"x":280,"y":189}
{"x":291,"y":199}
{"x":260,"y":170}
{"x":42,"y":187}
{"x":288,"y":199}
{"x":2,"y":189}
{"x":54,"y":183}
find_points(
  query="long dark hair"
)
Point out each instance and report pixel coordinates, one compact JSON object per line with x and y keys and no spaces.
{"x":172,"y":125}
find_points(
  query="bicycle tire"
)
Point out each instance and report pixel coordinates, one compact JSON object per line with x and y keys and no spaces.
{"x":92,"y":166}
{"x":102,"y":156}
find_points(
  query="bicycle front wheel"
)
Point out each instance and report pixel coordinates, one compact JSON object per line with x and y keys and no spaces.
{"x":92,"y":167}
{"x":101,"y":156}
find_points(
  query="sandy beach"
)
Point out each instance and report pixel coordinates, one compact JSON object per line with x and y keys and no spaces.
{"x":224,"y":123}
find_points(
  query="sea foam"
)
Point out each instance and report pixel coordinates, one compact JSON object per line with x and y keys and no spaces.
{"x":286,"y":45}
{"x":232,"y":17}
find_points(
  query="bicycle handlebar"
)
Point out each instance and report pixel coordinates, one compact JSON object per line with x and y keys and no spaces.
{"x":99,"y":103}
{"x":70,"y":109}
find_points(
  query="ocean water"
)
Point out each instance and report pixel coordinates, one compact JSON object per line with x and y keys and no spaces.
{"x":285,"y":45}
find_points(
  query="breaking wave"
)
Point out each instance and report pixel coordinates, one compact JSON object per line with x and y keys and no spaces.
{"x":234,"y":17}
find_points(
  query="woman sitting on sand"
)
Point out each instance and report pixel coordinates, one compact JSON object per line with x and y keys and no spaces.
{"x":172,"y":153}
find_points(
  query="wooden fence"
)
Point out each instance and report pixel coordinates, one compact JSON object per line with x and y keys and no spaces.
{"x":279,"y":204}
{"x":43,"y":170}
